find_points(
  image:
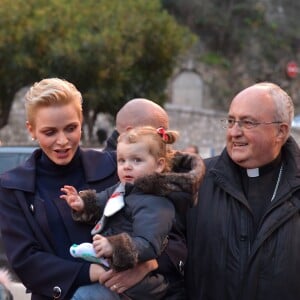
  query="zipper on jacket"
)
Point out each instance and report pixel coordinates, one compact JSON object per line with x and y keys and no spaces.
{"x":244,"y":241}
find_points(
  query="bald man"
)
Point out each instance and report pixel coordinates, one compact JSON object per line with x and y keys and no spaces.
{"x":141,"y":112}
{"x":137,"y":112}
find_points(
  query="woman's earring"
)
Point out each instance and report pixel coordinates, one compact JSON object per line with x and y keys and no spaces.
{"x":33,"y":139}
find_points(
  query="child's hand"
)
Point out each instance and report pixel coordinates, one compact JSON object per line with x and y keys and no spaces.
{"x":72,"y":198}
{"x":102,"y":246}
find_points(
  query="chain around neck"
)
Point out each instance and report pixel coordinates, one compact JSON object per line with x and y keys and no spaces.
{"x":277,"y":183}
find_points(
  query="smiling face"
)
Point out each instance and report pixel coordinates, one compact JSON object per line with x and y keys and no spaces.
{"x":135,"y":160}
{"x":57,"y":128}
{"x":255,"y":147}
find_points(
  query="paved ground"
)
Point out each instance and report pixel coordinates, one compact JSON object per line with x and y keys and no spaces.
{"x":19,"y":292}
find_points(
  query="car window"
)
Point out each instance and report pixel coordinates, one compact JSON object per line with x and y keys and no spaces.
{"x":11,"y":157}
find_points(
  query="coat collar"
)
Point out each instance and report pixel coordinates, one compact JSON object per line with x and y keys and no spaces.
{"x":186,"y":176}
{"x":226,"y":174}
{"x":23,"y":176}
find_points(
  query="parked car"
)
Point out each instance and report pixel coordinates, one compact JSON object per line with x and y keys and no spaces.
{"x":11,"y":156}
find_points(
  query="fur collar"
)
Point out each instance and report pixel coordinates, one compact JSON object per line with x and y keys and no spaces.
{"x":187,"y":173}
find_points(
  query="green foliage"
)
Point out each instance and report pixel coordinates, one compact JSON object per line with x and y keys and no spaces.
{"x":216,"y":59}
{"x":111,"y":50}
{"x":256,"y":37}
{"x":225,"y":26}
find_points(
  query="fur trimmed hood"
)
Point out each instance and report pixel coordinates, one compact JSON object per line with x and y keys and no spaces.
{"x":186,"y":176}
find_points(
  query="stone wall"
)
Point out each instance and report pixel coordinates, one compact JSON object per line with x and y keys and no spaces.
{"x":14,"y":133}
{"x":198,"y":126}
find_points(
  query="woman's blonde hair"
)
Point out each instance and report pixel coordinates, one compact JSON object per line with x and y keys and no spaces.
{"x":158,"y":141}
{"x":51,"y":92}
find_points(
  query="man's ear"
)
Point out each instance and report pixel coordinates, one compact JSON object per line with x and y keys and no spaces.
{"x":161,"y":165}
{"x":128,"y":128}
{"x":283,"y":131}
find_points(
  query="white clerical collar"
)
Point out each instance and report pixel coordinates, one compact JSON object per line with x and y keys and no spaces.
{"x":253,"y":172}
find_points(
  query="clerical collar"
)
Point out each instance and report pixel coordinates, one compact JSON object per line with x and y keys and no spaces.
{"x":256,"y":172}
{"x":253,"y":172}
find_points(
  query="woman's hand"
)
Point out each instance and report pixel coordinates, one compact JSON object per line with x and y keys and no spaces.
{"x":119,"y":282}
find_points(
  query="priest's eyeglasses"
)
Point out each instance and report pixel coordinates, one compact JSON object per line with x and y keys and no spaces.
{"x":247,"y":124}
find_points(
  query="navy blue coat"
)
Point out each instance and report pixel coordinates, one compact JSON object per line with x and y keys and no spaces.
{"x":25,"y":232}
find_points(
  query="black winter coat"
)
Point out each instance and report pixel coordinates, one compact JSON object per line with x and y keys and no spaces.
{"x":222,"y":263}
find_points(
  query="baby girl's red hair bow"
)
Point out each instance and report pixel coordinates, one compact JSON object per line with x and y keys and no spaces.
{"x":162,"y":132}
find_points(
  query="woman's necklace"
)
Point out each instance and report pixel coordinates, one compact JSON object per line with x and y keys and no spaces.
{"x":277,"y":183}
